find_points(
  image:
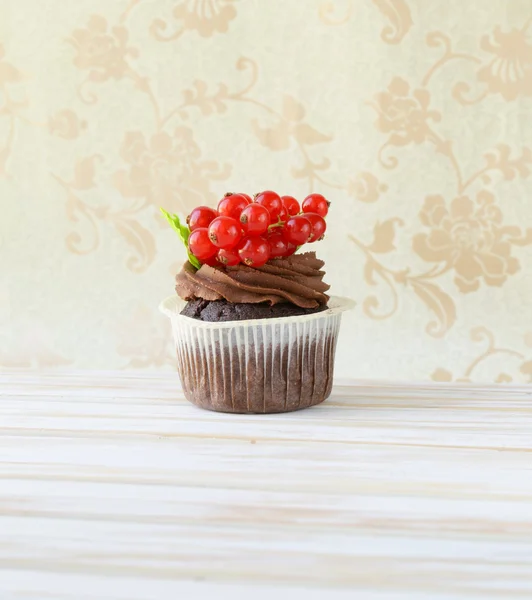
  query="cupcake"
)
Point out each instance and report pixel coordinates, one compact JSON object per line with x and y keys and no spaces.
{"x":254,"y":328}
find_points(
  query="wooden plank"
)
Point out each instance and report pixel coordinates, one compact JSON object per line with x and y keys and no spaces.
{"x":113,"y":486}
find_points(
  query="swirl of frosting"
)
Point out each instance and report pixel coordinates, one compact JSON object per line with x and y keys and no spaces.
{"x":296,"y":279}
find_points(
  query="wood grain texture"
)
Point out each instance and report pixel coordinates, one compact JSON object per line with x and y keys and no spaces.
{"x":113,"y":487}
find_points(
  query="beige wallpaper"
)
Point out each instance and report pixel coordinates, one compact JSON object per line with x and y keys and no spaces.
{"x":413,"y":116}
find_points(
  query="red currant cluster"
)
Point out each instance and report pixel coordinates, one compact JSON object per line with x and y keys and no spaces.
{"x":253,"y":231}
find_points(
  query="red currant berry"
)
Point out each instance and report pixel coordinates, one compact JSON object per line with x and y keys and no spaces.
{"x":225,"y":232}
{"x":255,"y":219}
{"x":297,"y":230}
{"x":228,"y":258}
{"x":247,"y":197}
{"x":200,"y":245}
{"x":290,"y":249}
{"x":232,"y":206}
{"x":279,"y":247}
{"x":318,"y":226}
{"x":291,"y":205}
{"x":315,"y":203}
{"x":254,"y":251}
{"x":283,"y":215}
{"x":271,"y":201}
{"x":212,"y":261}
{"x":201,"y":217}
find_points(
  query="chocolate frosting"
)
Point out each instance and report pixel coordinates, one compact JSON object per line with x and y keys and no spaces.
{"x":296,"y":279}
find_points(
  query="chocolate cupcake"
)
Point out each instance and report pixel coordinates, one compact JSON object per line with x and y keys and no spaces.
{"x":255,"y":339}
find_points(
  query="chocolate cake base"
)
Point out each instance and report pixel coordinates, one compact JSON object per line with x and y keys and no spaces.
{"x":270,"y":367}
{"x":222,"y":310}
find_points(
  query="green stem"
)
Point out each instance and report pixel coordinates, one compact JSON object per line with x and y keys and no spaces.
{"x":279,"y":224}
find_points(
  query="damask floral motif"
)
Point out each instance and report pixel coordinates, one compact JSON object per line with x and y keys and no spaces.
{"x":101,"y":51}
{"x":290,"y":126}
{"x":505,"y":356}
{"x":366,"y":187}
{"x":398,"y":14}
{"x":204,"y":16}
{"x":328,"y":8}
{"x":88,"y":216}
{"x":9,"y":108}
{"x":8,"y":73}
{"x":66,"y":124}
{"x":439,"y":303}
{"x":277,"y":130}
{"x":526,"y":369}
{"x":510,"y":71}
{"x":28,"y":344}
{"x":144,"y":339}
{"x":442,"y":375}
{"x":167,"y":170}
{"x":403,"y":114}
{"x":469,"y":237}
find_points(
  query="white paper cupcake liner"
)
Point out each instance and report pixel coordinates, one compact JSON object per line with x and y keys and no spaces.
{"x":256,"y":366}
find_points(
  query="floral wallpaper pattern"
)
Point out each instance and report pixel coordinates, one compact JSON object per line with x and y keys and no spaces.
{"x":414,"y":118}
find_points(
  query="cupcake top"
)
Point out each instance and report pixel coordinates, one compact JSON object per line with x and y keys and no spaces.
{"x":297,"y":279}
{"x":244,"y":251}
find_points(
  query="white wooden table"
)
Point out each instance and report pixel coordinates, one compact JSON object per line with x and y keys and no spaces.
{"x":113,"y":487}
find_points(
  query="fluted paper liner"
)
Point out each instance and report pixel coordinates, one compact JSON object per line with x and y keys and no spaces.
{"x":256,"y":366}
